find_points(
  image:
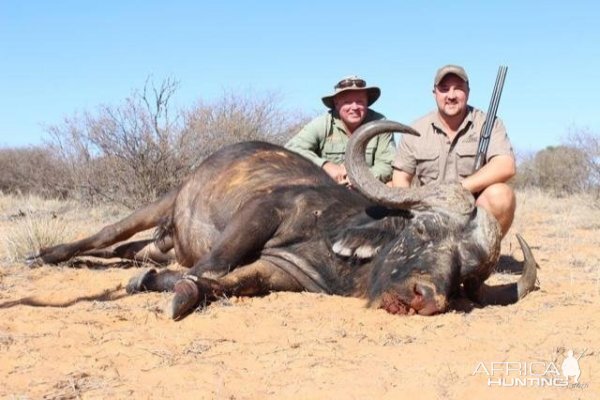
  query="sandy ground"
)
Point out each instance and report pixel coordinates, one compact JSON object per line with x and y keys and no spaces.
{"x":73,"y":333}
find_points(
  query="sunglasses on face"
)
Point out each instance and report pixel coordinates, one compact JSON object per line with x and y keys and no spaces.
{"x":346,"y":83}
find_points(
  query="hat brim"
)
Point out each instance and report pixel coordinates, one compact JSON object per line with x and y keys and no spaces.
{"x":373,"y":93}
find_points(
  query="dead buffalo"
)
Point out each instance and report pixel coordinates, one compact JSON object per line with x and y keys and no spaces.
{"x":256,"y":218}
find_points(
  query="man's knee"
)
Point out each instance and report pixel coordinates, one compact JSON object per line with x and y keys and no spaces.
{"x":498,"y":195}
{"x":499,"y":199}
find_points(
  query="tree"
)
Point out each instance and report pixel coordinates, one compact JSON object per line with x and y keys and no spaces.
{"x":560,"y":169}
{"x":588,"y":143}
{"x":126,"y":153}
{"x":32,"y":170}
{"x":134,"y":152}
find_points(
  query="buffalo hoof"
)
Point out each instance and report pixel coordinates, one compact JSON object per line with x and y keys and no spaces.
{"x":187,"y":298}
{"x":139,"y":283}
{"x":34,"y":261}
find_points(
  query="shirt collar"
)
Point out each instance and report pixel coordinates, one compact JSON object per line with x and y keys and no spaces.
{"x":468,"y":121}
{"x":339,"y":124}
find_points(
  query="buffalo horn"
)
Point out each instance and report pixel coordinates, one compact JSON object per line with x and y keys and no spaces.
{"x":361,"y":177}
{"x":513,"y":292}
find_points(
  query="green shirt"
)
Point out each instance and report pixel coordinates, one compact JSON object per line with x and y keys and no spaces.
{"x":325,"y":138}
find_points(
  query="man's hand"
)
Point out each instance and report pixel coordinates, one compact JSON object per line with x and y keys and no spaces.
{"x":401,"y":179}
{"x":337,"y":172}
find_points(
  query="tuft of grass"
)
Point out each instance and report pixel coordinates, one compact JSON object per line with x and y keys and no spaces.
{"x":30,"y":223}
{"x":77,"y":385}
{"x":30,"y":234}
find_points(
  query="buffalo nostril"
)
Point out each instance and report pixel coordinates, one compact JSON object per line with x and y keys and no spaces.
{"x":425,"y":299}
{"x":418,"y":289}
{"x":422,"y":295}
{"x":418,"y":292}
{"x":421,"y":290}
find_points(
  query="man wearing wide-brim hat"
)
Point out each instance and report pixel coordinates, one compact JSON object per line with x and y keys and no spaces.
{"x":324,"y":139}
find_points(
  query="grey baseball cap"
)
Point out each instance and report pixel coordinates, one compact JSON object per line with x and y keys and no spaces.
{"x":450,"y":69}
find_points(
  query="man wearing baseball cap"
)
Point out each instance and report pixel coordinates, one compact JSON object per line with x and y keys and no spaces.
{"x":448,"y":144}
{"x":323,"y":140}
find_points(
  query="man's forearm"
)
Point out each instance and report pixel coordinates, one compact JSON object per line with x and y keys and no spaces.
{"x":498,"y":169}
{"x":401,"y":179}
{"x":382,"y":171}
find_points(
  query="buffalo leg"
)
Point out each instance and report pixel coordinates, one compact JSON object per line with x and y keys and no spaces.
{"x":242,"y":239}
{"x":140,"y":250}
{"x":140,"y":220}
{"x":256,"y":279}
{"x":153,"y":281}
{"x":245,"y":235}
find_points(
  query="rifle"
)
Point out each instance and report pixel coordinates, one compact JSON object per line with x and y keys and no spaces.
{"x":486,"y":130}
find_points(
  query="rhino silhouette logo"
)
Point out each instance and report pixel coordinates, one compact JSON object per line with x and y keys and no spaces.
{"x":570,"y":367}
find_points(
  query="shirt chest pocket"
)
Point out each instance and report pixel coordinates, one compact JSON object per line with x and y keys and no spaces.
{"x":334,"y":152}
{"x":465,"y":158}
{"x":370,"y":154}
{"x":428,"y":166}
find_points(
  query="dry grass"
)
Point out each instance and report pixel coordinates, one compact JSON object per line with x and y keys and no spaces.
{"x":30,"y":235}
{"x":570,"y":226}
{"x":31,"y":223}
{"x":580,"y":210}
{"x":76,"y":384}
{"x":11,"y":206}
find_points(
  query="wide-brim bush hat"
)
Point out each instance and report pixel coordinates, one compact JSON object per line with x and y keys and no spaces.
{"x":352,"y":82}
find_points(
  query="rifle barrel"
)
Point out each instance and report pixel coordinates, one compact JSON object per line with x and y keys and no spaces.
{"x":490,"y":118}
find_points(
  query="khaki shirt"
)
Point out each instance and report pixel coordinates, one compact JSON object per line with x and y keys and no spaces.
{"x":433,"y":157}
{"x":325,"y":139}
